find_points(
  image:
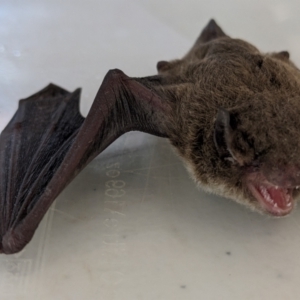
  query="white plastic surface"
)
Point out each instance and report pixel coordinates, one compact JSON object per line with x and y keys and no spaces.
{"x":157,"y":237}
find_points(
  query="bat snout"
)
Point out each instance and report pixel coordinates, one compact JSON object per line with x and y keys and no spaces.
{"x":287,"y":176}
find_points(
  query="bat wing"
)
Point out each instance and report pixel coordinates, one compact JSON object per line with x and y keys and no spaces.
{"x":47,"y":143}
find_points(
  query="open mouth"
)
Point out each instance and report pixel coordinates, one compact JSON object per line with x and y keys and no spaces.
{"x":276,"y":200}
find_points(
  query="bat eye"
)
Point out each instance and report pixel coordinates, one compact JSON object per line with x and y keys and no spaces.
{"x":260,"y":63}
{"x":258,"y":60}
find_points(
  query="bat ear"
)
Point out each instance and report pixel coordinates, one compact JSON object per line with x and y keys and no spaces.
{"x":284,"y":55}
{"x":210,"y":32}
{"x":163,"y":65}
{"x":230,"y":142}
{"x":222,"y":133}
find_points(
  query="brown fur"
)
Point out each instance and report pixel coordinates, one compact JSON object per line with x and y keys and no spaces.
{"x":261,"y":91}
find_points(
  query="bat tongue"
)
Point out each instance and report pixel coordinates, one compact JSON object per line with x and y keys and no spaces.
{"x":276,"y":200}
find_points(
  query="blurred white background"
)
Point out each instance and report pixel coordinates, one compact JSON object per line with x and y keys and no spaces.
{"x":161,"y":238}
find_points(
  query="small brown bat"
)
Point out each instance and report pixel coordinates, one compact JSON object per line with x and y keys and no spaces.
{"x":231,"y":112}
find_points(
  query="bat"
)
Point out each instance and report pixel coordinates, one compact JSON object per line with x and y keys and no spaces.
{"x":230,"y":111}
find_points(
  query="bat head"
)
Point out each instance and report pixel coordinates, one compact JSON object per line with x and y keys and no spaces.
{"x":237,"y":112}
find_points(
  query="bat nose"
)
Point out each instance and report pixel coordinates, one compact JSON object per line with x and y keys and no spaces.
{"x":286,"y":176}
